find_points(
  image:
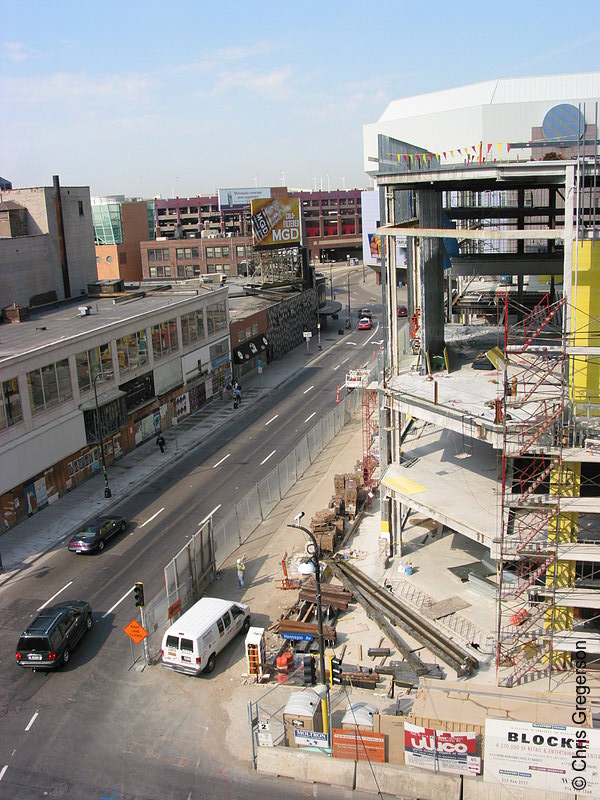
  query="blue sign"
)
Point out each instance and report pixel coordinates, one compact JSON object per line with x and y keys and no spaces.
{"x":298,"y":637}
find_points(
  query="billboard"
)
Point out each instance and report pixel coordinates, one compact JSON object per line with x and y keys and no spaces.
{"x":277,"y":222}
{"x":533,"y":755}
{"x":441,"y":751}
{"x":240,"y":198}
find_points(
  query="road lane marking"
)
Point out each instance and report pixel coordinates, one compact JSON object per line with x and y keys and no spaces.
{"x":338,"y":366}
{"x":110,"y":610}
{"x":222,"y":460}
{"x":3,"y":770}
{"x":352,"y":343}
{"x":55,"y":595}
{"x":31,"y":721}
{"x":267,"y":458}
{"x":306,"y":391}
{"x":154,"y":516}
{"x":346,"y":359}
{"x":208,"y":516}
{"x":271,"y":420}
{"x":311,"y":416}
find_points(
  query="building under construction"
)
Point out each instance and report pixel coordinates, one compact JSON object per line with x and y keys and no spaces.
{"x":489,"y":402}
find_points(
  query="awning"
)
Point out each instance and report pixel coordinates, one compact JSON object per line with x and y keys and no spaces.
{"x":244,"y":352}
{"x":103,"y":399}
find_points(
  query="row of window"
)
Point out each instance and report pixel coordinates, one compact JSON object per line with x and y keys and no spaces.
{"x":187,"y":270}
{"x":188,"y":253}
{"x":248,"y":333}
{"x":51,"y":385}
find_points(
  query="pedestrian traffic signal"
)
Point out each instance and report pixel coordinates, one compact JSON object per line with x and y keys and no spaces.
{"x":335,"y":670}
{"x":310,"y":671}
{"x":138,"y":593}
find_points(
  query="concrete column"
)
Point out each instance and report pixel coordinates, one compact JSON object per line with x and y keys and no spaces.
{"x":431,"y":271}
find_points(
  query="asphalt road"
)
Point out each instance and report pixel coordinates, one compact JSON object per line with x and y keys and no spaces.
{"x":98,"y":728}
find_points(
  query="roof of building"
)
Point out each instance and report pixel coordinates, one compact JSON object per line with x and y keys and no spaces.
{"x":9,"y":205}
{"x":553,"y":88}
{"x":50,"y":327}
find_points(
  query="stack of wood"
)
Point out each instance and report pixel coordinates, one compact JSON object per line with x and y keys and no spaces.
{"x":324,"y":527}
{"x":296,"y":630}
{"x":333,"y":596}
{"x":337,"y":503}
{"x":349,"y":492}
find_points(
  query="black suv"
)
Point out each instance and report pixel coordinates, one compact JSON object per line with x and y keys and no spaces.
{"x":48,"y":641}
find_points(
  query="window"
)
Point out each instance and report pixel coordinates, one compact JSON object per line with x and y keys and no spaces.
{"x":209,"y":252}
{"x":255,"y":329}
{"x":80,"y":205}
{"x":153,"y":272}
{"x":167,"y":272}
{"x":179,"y":253}
{"x":248,"y":333}
{"x":220,"y":627}
{"x":90,"y":363}
{"x":226,"y":251}
{"x":187,"y":253}
{"x":236,"y":612}
{"x":187,"y":645}
{"x":227,"y":619}
{"x":181,"y":270}
{"x":216,"y":319}
{"x":164,"y":338}
{"x":165,"y":253}
{"x":192,"y":327}
{"x":195,"y":252}
{"x":241,"y":336}
{"x":109,"y":259}
{"x":132,"y":351}
{"x":217,"y":252}
{"x":219,"y":349}
{"x":49,"y":386}
{"x":159,"y":255}
{"x":150,"y":255}
{"x":10,"y":403}
{"x":239,"y":250}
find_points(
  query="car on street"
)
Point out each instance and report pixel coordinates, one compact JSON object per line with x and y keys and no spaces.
{"x":364,"y":324}
{"x":402,"y":311}
{"x":365,"y":312}
{"x":48,"y":641}
{"x":95,"y":535}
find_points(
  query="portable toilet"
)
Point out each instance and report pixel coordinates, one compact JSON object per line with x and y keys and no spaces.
{"x":359,"y":717}
{"x":302,"y":712}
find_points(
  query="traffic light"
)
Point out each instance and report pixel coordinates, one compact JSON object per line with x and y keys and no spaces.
{"x":335,"y":670}
{"x":309,"y":671}
{"x":138,"y":593}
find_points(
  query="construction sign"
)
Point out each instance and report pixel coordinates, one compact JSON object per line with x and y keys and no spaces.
{"x":135,"y":631}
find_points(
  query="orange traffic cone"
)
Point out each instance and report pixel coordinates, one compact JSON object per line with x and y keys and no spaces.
{"x":337,"y":399}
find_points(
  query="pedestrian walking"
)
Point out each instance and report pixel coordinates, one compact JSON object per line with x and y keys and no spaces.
{"x":241,"y":571}
{"x":160,"y":441}
{"x":237,"y":396}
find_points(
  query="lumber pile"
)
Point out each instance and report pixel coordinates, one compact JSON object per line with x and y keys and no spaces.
{"x":334,"y":596}
{"x":296,"y":628}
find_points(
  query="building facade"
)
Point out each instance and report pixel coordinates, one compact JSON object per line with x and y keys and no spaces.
{"x":50,"y":256}
{"x":115,"y":371}
{"x":119,"y":228}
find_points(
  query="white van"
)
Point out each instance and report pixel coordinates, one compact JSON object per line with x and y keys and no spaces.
{"x":191,"y":644}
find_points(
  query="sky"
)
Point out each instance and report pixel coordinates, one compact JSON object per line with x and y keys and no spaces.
{"x":179,"y":99}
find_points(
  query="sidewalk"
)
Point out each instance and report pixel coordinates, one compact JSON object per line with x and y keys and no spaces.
{"x":22,"y":545}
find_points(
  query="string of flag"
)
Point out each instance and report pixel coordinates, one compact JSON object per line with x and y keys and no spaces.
{"x":473,"y":154}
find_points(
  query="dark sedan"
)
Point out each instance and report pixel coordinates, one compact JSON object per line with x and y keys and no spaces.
{"x":95,"y":535}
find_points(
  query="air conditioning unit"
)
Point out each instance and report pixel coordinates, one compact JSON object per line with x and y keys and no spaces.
{"x":84,"y":311}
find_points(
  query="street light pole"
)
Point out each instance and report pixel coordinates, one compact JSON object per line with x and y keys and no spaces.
{"x":315,"y":558}
{"x":107,"y":491}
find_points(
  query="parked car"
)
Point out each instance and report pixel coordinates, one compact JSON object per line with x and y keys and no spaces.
{"x":95,"y":535}
{"x":48,"y":641}
{"x":402,"y":311}
{"x":365,"y":312}
{"x":364,"y":324}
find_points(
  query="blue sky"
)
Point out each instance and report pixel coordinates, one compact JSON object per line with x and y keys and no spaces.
{"x":148,"y":98}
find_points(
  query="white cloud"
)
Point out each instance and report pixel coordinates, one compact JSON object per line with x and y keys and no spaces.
{"x":16,"y":51}
{"x":274,"y":85}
